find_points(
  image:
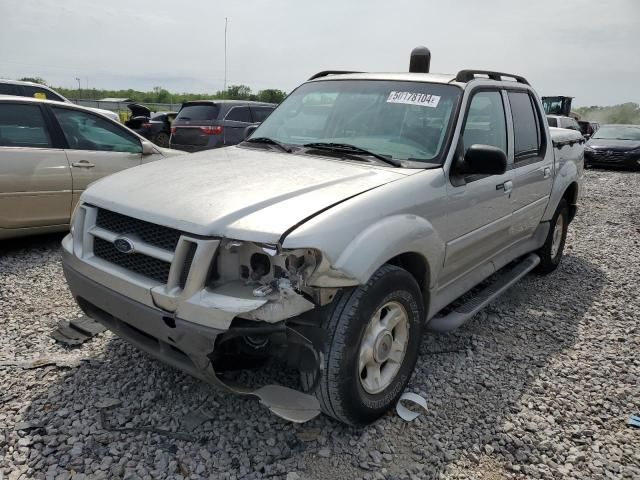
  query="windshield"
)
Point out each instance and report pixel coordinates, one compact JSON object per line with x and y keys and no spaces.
{"x":618,"y":132}
{"x":401,"y":120}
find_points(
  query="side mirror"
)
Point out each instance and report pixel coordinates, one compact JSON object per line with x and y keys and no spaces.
{"x":484,"y":160}
{"x":148,"y":148}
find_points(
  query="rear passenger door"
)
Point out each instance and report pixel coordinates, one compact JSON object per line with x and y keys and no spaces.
{"x":35,"y":180}
{"x":259,"y":114}
{"x":533,"y":164}
{"x":236,"y":120}
{"x":96,"y":146}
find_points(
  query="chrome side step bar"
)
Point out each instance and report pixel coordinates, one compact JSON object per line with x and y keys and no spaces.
{"x":464,"y":312}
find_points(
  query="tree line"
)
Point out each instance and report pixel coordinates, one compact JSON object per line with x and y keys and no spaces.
{"x":624,"y":113}
{"x":162,"y":95}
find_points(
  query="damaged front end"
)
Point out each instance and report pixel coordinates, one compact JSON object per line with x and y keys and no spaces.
{"x":225,"y":304}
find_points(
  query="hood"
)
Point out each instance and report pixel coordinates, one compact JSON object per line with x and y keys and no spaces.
{"x":236,"y":192}
{"x":106,"y":113}
{"x":169,"y":152}
{"x":612,"y":144}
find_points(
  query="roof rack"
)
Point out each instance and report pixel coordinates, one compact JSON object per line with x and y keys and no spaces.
{"x":468,"y":75}
{"x":324,"y":73}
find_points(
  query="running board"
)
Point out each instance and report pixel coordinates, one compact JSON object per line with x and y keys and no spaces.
{"x":464,"y":312}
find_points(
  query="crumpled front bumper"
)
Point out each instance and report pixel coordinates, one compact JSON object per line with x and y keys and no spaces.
{"x":180,"y":343}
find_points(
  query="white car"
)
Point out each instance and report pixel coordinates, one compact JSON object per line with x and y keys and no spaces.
{"x":36,"y":90}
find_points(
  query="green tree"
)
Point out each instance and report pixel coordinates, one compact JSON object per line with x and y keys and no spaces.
{"x":271,"y":95}
{"x":33,"y":79}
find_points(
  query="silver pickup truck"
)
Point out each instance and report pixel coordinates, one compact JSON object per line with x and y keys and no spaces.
{"x":367,"y":209}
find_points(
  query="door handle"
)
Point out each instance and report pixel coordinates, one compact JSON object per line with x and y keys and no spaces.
{"x":546,"y":172}
{"x":83,"y":164}
{"x":506,"y":187}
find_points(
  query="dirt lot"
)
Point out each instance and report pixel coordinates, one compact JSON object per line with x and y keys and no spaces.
{"x":539,"y":385}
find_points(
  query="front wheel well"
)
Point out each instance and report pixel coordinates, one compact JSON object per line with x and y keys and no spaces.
{"x":417,"y":266}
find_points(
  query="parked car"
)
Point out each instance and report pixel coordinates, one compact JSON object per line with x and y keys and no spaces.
{"x":563,"y":122}
{"x":49,"y":153}
{"x":614,"y":146}
{"x":345,"y":226}
{"x":42,"y":92}
{"x":206,"y":124}
{"x":152,"y":126}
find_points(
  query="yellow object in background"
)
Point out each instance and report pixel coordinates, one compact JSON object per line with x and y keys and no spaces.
{"x":40,"y":95}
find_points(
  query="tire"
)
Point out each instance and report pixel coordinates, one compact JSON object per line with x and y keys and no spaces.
{"x":161,"y":139}
{"x":550,"y":254}
{"x":341,"y":389}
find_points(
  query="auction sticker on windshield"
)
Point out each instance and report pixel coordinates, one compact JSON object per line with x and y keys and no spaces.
{"x":413,"y":98}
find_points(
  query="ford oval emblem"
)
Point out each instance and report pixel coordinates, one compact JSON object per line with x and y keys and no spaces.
{"x":123,"y":245}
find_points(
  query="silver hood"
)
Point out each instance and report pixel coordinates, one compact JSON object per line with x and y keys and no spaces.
{"x":236,"y":192}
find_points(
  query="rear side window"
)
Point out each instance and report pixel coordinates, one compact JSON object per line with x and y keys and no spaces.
{"x":41,"y":93}
{"x":205,"y":111}
{"x":239,"y":114}
{"x":553,"y":122}
{"x":23,"y":126}
{"x":526,"y":130}
{"x":260,"y":113}
{"x":8,"y":89}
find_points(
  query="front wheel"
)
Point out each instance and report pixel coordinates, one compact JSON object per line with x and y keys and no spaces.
{"x":374,"y":334}
{"x":551,"y":252}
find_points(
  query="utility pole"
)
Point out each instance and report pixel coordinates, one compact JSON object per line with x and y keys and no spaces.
{"x":79,"y":88}
{"x":224,"y":90}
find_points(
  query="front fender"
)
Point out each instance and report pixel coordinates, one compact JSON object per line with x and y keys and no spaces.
{"x":388,"y":238}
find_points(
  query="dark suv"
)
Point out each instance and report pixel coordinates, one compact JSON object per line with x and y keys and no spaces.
{"x":206,"y":124}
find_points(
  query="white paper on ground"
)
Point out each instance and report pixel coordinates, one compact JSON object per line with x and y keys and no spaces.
{"x":406,"y":414}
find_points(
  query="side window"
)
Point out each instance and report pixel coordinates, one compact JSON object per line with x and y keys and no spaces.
{"x":41,"y":93}
{"x":239,"y":114}
{"x":261,"y":113}
{"x":85,"y":131}
{"x":486,"y":123}
{"x":526,"y":129}
{"x":23,"y":126}
{"x":8,"y":89}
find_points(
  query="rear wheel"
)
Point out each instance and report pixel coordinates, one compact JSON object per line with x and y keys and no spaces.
{"x":161,"y":139}
{"x":551,"y":252}
{"x":374,"y":334}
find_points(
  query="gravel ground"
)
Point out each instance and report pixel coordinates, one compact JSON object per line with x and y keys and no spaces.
{"x":538,"y":385}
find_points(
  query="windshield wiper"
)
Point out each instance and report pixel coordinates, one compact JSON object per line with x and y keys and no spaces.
{"x":348,"y":148}
{"x":269,"y":141}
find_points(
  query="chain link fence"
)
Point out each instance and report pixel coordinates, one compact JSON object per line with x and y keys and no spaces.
{"x":121,"y":108}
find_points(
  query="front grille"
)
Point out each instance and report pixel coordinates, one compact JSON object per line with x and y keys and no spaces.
{"x":608,"y":156}
{"x":156,"y":235}
{"x":147,"y":266}
{"x":186,"y":267}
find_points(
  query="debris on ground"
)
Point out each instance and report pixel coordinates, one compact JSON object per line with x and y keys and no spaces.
{"x":77,"y":331}
{"x":413,"y":398}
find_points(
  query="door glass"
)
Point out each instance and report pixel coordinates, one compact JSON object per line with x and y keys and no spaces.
{"x":85,"y":131}
{"x":525,"y":126}
{"x":260,"y":113}
{"x":239,"y":114}
{"x":22,"y":126}
{"x":41,"y":93}
{"x":486,"y":124}
{"x":8,"y":89}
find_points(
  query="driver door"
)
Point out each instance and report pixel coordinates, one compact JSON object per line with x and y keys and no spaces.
{"x":96,"y":147}
{"x":479,"y":209}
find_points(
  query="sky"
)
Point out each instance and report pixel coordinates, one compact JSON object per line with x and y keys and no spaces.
{"x":588,"y":49}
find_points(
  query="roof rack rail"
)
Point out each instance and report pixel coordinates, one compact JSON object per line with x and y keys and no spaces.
{"x":324,"y":73}
{"x":468,"y":75}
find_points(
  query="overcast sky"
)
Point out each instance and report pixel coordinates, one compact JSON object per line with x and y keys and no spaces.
{"x":588,"y":49}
